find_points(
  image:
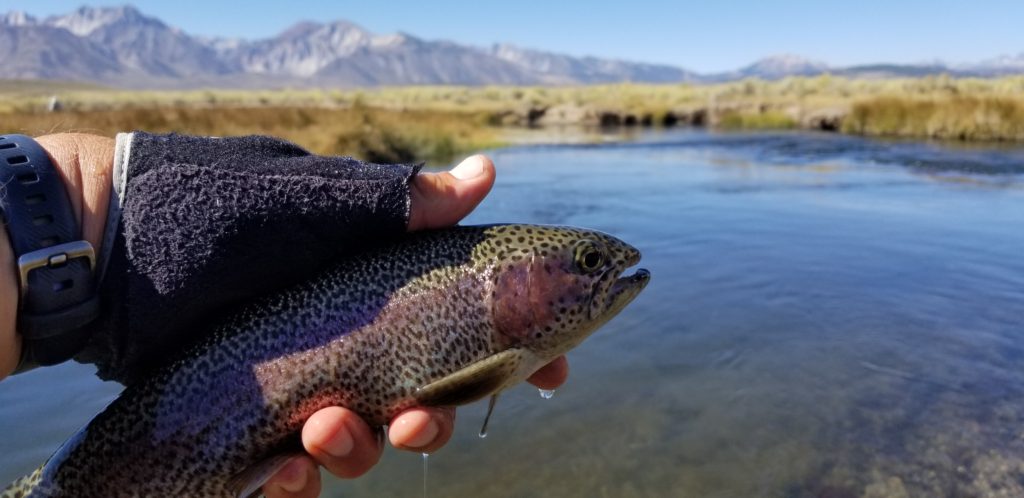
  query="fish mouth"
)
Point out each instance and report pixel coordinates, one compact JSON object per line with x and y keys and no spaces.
{"x":627,"y":286}
{"x":638,"y":279}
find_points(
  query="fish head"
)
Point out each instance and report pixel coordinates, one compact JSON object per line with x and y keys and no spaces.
{"x":554,"y":286}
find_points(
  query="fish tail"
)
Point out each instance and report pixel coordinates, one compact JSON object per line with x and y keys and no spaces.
{"x":25,"y":486}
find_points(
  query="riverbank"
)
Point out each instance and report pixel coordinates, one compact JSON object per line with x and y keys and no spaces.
{"x":437,"y":122}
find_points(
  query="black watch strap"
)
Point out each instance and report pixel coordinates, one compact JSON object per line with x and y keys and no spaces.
{"x":56,"y":268}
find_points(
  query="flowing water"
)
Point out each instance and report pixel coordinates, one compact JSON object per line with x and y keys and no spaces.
{"x":828,"y":317}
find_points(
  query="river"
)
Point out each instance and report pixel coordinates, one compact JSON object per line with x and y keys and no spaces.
{"x":828,"y":317}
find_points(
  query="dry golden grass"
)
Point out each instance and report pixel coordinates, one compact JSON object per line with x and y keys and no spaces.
{"x":372,"y":134}
{"x":811,"y":91}
{"x":437,"y":122}
{"x":955,"y":117}
{"x":768,"y":120}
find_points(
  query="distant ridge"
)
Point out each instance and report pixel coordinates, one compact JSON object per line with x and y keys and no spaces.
{"x":121,"y":46}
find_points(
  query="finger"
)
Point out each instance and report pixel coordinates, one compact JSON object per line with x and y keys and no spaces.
{"x":424,"y":430}
{"x":299,"y":478}
{"x":551,"y":375}
{"x":339,"y":440}
{"x":442,"y":199}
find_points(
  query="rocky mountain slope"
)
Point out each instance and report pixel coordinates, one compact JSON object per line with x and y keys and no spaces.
{"x":121,"y":46}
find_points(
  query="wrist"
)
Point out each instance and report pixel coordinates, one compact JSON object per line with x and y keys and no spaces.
{"x":10,"y":342}
{"x":84,"y":164}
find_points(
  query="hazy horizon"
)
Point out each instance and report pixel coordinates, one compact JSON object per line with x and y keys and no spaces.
{"x":702,"y":38}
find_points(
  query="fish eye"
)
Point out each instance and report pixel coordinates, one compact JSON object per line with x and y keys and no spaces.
{"x":589,"y":256}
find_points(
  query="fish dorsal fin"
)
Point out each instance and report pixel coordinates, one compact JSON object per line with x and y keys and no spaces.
{"x":474,"y":382}
{"x":247,"y":483}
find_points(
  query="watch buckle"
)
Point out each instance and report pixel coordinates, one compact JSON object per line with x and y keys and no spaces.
{"x":53,"y":256}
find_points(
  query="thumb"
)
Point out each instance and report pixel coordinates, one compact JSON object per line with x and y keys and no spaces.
{"x":442,"y":199}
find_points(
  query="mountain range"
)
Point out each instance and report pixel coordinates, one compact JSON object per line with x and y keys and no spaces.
{"x":120,"y":46}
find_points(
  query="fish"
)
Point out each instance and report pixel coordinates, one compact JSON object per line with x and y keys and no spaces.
{"x":437,"y":319}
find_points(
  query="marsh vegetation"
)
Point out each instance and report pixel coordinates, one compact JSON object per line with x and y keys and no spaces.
{"x":438,"y":122}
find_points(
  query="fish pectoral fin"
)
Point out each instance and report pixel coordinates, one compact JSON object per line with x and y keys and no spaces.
{"x":478,"y":380}
{"x":247,"y":483}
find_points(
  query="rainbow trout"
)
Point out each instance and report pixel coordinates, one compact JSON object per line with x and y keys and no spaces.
{"x":439,"y":318}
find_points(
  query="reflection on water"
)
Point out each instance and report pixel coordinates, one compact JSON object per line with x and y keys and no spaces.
{"x":828,"y":317}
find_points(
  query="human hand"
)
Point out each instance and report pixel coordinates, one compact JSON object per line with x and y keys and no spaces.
{"x":334,"y":437}
{"x":337,"y":438}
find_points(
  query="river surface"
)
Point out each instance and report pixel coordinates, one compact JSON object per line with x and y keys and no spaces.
{"x":828,"y":317}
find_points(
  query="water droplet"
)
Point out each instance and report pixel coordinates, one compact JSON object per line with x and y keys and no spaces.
{"x":546,"y":393}
{"x":425,"y":458}
{"x":487,"y":419}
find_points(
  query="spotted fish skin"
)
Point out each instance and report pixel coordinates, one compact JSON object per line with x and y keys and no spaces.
{"x":439,"y":318}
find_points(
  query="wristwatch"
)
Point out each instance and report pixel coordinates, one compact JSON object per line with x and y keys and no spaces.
{"x":56,"y":269}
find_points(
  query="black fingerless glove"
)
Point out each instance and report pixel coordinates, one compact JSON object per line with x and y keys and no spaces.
{"x":207,"y":223}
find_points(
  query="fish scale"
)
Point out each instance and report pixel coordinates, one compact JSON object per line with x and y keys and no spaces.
{"x":439,"y":318}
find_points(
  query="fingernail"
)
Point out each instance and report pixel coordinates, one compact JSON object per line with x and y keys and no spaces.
{"x":293,"y":478}
{"x":472,"y":167}
{"x":426,"y":435}
{"x":340,"y":444}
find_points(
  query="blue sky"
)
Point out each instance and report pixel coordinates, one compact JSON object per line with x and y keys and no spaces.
{"x":705,"y":36}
